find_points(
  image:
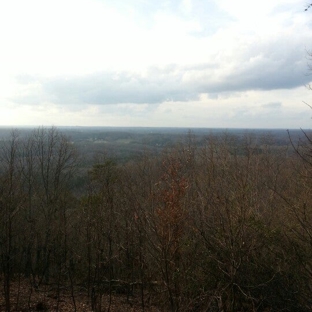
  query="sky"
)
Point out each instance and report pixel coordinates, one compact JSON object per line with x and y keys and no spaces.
{"x":165,"y":63}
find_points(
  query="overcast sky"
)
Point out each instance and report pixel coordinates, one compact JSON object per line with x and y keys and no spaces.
{"x":179,"y":63}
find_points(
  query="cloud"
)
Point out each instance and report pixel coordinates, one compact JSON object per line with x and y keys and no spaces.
{"x":273,"y":105}
{"x":106,"y":88}
{"x":138,"y":62}
{"x":266,"y":67}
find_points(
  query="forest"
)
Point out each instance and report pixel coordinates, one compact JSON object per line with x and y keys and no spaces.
{"x":220,"y":223}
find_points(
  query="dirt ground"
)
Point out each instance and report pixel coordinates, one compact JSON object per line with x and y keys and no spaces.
{"x":25,"y":298}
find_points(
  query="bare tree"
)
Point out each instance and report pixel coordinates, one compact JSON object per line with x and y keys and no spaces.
{"x":11,"y":203}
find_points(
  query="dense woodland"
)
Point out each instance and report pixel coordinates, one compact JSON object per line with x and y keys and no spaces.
{"x":221,"y":226}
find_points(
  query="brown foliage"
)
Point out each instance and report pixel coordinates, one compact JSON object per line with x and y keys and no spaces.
{"x":221,"y":227}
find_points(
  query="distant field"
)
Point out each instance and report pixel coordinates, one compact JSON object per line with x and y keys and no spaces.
{"x":126,"y":143}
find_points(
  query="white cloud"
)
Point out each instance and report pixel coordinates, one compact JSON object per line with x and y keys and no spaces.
{"x":186,"y":6}
{"x":79,"y":54}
